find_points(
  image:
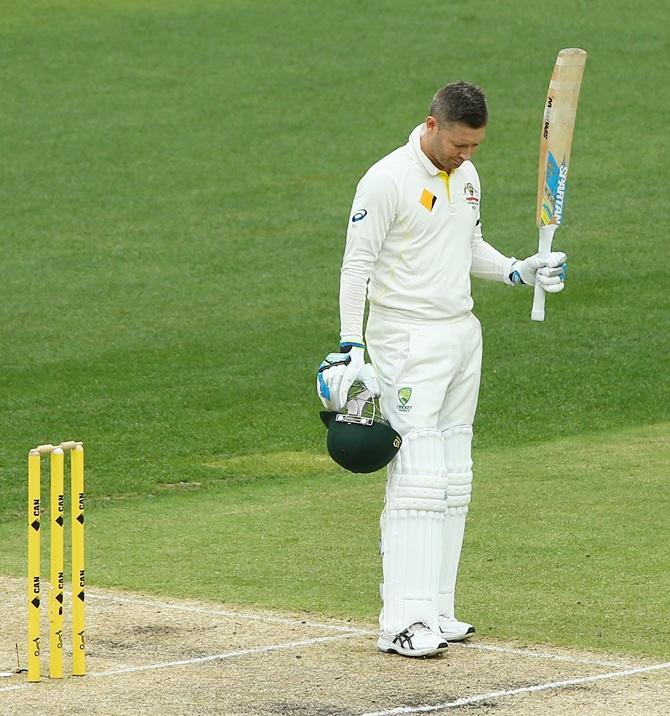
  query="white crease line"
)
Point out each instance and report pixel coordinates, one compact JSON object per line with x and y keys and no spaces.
{"x":204,"y":659}
{"x":218,"y":657}
{"x":337,"y":627}
{"x":544,"y":655}
{"x":465,"y":701}
{"x":225,"y":613}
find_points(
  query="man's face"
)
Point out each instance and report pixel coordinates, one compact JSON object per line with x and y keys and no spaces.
{"x":450,"y":144}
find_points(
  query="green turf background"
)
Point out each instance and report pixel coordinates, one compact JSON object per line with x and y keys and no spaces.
{"x":176,"y":178}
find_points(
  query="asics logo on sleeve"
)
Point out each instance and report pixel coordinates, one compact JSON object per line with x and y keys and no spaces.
{"x":359,"y":215}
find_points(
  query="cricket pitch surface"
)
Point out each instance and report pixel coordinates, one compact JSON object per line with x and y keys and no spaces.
{"x":148,"y":655}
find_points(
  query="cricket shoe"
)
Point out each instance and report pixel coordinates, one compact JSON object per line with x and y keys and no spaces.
{"x":416,"y":640}
{"x":453,"y":630}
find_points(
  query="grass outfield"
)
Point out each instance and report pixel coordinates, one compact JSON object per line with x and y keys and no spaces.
{"x":176,"y":182}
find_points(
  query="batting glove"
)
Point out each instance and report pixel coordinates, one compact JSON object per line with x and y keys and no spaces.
{"x":337,"y":373}
{"x":549,"y":273}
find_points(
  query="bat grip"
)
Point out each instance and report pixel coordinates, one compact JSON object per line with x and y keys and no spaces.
{"x":543,"y":250}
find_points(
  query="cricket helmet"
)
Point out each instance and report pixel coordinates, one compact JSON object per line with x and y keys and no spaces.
{"x":360,"y":439}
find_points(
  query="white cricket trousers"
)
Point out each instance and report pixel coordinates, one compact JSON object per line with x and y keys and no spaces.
{"x":429,"y":371}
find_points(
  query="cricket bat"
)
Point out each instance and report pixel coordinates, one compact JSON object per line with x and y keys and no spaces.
{"x":558,"y":125}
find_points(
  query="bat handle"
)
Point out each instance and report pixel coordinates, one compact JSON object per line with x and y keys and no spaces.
{"x":543,"y":249}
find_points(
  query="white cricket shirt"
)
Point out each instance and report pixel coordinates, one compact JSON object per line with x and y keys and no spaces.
{"x":415,"y":234}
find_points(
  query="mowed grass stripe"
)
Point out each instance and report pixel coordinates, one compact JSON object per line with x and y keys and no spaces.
{"x":178,"y":177}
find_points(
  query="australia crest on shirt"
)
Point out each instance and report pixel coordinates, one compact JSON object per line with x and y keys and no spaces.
{"x":471,"y":195}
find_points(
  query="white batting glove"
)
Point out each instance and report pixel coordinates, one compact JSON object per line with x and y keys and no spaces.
{"x":337,"y":373}
{"x":549,"y":273}
{"x":354,"y":366}
{"x":368,"y":377}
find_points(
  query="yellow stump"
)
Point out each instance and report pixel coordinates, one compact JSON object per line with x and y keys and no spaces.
{"x":78,"y":571}
{"x":33,"y":593}
{"x":57,"y":566}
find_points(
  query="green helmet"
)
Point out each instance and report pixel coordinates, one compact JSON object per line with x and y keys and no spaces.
{"x":360,"y":439}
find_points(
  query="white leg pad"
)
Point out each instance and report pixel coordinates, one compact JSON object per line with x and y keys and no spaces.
{"x":458,"y":448}
{"x":412,"y":532}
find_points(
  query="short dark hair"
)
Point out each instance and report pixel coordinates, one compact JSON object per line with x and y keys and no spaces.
{"x":460,"y":102}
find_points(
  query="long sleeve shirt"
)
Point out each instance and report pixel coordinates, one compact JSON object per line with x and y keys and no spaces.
{"x":413,"y":240}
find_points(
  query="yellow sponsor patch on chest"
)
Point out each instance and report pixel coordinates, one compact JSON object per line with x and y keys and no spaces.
{"x":428,"y":199}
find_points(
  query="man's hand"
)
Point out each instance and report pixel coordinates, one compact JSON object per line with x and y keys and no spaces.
{"x":549,"y":273}
{"x":338,"y":371}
